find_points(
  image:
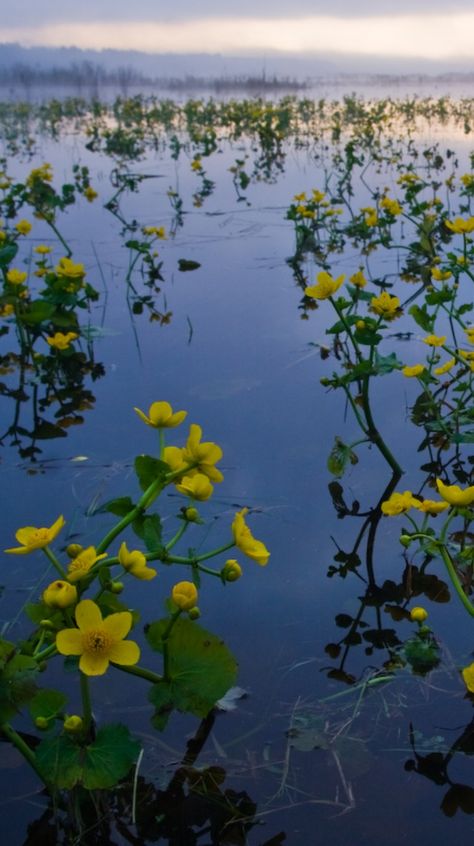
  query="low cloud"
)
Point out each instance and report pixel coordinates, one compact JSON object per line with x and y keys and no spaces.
{"x":440,"y":37}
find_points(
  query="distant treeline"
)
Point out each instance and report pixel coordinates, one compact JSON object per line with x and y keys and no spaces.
{"x":88,"y":75}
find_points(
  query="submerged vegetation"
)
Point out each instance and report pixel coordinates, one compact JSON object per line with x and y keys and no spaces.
{"x":382,"y":265}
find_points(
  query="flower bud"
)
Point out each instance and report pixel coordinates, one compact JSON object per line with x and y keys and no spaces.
{"x":405,"y":540}
{"x":194,"y":613}
{"x":116,"y":587}
{"x":60,"y":594}
{"x":74,"y":549}
{"x":231,"y":570}
{"x":325,"y":381}
{"x":191,"y":514}
{"x":184,"y":595}
{"x":418,"y":614}
{"x":73,"y":724}
{"x":41,"y":723}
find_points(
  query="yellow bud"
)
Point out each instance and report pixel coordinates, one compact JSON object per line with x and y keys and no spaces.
{"x":73,"y":724}
{"x":41,"y":723}
{"x":418,"y":614}
{"x":231,"y":570}
{"x":184,"y":595}
{"x":74,"y":549}
{"x":192,"y":515}
{"x":60,"y":594}
{"x":116,"y":587}
{"x":194,"y":613}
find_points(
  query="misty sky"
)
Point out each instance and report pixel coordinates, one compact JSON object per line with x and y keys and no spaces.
{"x":426,"y":29}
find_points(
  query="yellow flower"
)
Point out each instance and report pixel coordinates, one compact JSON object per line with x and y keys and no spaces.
{"x":430,"y":506}
{"x":398,"y":503}
{"x":461,"y":226}
{"x":135,"y":563}
{"x":60,"y":594}
{"x":196,"y":164}
{"x":68,"y":268}
{"x":43,"y":250}
{"x":32,"y":538}
{"x":470,"y":334}
{"x":231,"y":570}
{"x":414,"y":371}
{"x":391,"y":206}
{"x":385,"y":305}
{"x":98,"y":641}
{"x":203,"y":455}
{"x":358,"y":279}
{"x":197,"y":487}
{"x":326,"y":286}
{"x":467,"y":179}
{"x":440,"y":275}
{"x":455,"y":495}
{"x":16,"y":277}
{"x":159,"y":231}
{"x":468,"y":676}
{"x":80,"y":566}
{"x":61,"y":341}
{"x":161,"y":416}
{"x":418,"y":614}
{"x":300,"y":198}
{"x":371,"y":217}
{"x":23,"y":227}
{"x":173,"y":456}
{"x":246,"y":542}
{"x":434,"y":340}
{"x":6,"y":310}
{"x":184,"y":595}
{"x":90,"y":194}
{"x":318,"y":196}
{"x":445,"y":368}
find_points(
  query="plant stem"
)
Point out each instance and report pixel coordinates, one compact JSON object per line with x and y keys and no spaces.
{"x":24,"y":750}
{"x":373,"y":433}
{"x":86,"y":702}
{"x":54,"y":561}
{"x":141,"y":672}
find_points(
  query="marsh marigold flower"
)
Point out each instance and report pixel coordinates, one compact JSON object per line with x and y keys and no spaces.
{"x":434,"y":340}
{"x":68,"y":268}
{"x":358,"y":279}
{"x":386,"y":306}
{"x":60,"y":341}
{"x":23,"y":227}
{"x":445,"y":368}
{"x":468,"y":676}
{"x":246,"y":542}
{"x":326,"y":286}
{"x":98,"y":641}
{"x":197,"y":486}
{"x":184,"y":595}
{"x":440,"y":275}
{"x":454,"y":495}
{"x":398,"y":503}
{"x":430,"y":506}
{"x":16,"y":277}
{"x":32,"y":538}
{"x":161,"y":416}
{"x":413,"y":371}
{"x":461,"y":226}
{"x":231,"y":570}
{"x":60,"y":594}
{"x":135,"y":563}
{"x":203,"y":455}
{"x":81,"y":565}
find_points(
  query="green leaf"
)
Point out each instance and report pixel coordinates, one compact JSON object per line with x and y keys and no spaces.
{"x":99,"y":765}
{"x":38,"y":311}
{"x":120,"y":506}
{"x":109,"y":758}
{"x":149,"y":469}
{"x":422,"y":317}
{"x":60,"y":760}
{"x":187,"y":264}
{"x":7,"y":254}
{"x":201,"y":667}
{"x":17,"y":680}
{"x":47,"y":703}
{"x":339,"y":456}
{"x":386,"y":364}
{"x":45,"y":431}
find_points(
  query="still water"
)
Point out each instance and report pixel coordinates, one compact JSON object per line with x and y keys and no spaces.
{"x":314,"y":751}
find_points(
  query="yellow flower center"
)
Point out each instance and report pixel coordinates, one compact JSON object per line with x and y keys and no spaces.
{"x":40,"y":535}
{"x":97,"y":641}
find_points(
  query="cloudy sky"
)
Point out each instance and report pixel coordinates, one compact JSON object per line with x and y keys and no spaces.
{"x":406,"y":29}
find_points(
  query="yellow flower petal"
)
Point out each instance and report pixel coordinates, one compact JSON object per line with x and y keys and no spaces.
{"x":88,"y":615}
{"x":125,"y":652}
{"x":118,"y":625}
{"x":93,"y":665}
{"x":69,"y":642}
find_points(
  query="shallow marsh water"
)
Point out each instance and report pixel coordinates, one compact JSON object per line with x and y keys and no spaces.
{"x":322,"y":760}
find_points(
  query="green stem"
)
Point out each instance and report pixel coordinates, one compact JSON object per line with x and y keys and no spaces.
{"x":86,"y":702}
{"x":46,"y":653}
{"x":58,"y":235}
{"x":348,"y":329}
{"x":181,"y":559}
{"x":179,"y":534}
{"x":141,"y":672}
{"x":373,"y":433}
{"x":165,"y":636}
{"x":455,"y":581}
{"x":24,"y":750}
{"x":54,"y":561}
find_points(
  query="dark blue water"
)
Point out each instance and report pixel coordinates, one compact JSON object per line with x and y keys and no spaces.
{"x":237,"y":355}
